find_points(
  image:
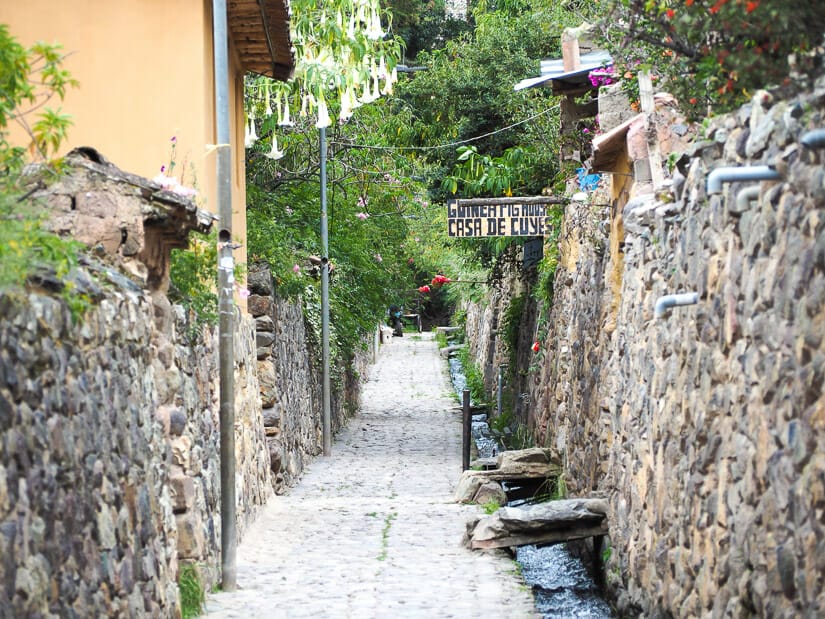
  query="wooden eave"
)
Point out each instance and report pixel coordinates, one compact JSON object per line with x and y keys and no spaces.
{"x":260,"y":33}
{"x":608,"y":147}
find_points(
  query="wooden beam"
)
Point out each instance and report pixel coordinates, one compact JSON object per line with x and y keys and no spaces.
{"x":522,"y":200}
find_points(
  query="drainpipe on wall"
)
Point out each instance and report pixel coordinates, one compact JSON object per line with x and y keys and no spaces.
{"x":814,"y":138}
{"x":226,"y":302}
{"x":745,"y":197}
{"x":673,"y":300}
{"x":325,"y":388}
{"x":737,"y":173}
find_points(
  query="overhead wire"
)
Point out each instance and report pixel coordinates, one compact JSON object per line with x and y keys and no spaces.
{"x":449,"y":144}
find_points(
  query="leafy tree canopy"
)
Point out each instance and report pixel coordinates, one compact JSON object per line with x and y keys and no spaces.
{"x":713,"y":54}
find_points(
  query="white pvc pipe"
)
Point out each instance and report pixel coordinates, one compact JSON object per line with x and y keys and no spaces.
{"x":673,"y":300}
{"x":737,"y":173}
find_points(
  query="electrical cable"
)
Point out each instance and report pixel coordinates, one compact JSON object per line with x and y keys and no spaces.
{"x":450,"y":144}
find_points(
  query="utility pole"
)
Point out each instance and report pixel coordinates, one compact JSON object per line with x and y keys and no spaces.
{"x":327,"y":432}
{"x":226,"y":302}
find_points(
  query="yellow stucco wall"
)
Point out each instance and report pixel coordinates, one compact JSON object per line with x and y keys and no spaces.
{"x":145,"y":73}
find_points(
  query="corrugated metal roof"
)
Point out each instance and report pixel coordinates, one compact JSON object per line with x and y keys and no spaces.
{"x":553,"y":70}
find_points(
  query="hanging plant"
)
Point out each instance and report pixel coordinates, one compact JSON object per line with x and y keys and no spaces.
{"x":342,"y":55}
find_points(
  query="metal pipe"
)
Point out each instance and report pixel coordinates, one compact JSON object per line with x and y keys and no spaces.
{"x":673,"y":300}
{"x":226,"y":303}
{"x":737,"y":173}
{"x":327,"y":431}
{"x":814,"y":138}
{"x":466,"y":430}
{"x":745,"y":197}
{"x":499,"y":388}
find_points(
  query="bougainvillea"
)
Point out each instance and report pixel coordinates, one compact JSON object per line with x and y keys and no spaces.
{"x":713,"y":54}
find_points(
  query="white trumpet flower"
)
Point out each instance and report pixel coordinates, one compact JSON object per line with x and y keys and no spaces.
{"x":323,"y":114}
{"x":274,"y":152}
{"x":251,"y":137}
{"x":285,"y":120}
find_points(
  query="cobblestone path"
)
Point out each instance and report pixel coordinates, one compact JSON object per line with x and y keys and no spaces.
{"x":372,"y":531}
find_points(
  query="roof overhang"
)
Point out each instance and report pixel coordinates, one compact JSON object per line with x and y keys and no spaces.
{"x":608,"y":147}
{"x":553,"y":71}
{"x":260,"y":32}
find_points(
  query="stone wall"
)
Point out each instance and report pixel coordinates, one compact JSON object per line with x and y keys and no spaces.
{"x":109,"y":467}
{"x":109,"y":433}
{"x":86,"y":515}
{"x":714,"y":416}
{"x":290,"y":377}
{"x":705,"y":428}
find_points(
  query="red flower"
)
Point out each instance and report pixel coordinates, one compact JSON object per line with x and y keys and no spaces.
{"x":750,"y":7}
{"x":535,"y":347}
{"x":715,"y":8}
{"x":670,"y":13}
{"x":424,"y":289}
{"x":440,"y":280}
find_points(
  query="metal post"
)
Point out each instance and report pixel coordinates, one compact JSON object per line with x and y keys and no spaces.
{"x":466,"y":434}
{"x":327,"y":433}
{"x":226,"y":303}
{"x":499,"y":386}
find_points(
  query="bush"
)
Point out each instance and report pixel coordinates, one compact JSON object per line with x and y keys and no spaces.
{"x":712,"y":54}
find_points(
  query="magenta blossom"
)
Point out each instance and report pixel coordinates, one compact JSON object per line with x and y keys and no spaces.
{"x":361,"y":216}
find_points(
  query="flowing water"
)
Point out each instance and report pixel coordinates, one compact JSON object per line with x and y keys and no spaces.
{"x":562,"y":586}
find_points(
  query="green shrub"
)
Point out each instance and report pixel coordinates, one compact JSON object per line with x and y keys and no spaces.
{"x":193,"y":275}
{"x":192,"y":594}
{"x":29,"y":78}
{"x":473,"y":376}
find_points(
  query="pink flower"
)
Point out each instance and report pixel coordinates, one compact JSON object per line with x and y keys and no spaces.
{"x":170,"y":183}
{"x":244,"y":293}
{"x":296,"y":268}
{"x":424,"y":289}
{"x":361,"y":216}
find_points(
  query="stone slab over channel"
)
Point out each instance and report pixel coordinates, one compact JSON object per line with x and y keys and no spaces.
{"x":372,"y":531}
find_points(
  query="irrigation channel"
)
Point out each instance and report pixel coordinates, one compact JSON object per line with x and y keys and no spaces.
{"x":562,"y":585}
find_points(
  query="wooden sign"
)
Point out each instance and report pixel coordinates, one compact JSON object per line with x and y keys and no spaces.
{"x":487,"y":217}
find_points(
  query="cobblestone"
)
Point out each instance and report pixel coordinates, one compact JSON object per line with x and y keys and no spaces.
{"x":372,"y":530}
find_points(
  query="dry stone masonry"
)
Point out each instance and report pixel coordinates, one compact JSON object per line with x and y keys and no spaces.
{"x":704,"y":427}
{"x":109,"y":425}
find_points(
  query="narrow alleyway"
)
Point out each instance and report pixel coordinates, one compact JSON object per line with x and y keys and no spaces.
{"x":372,"y":531}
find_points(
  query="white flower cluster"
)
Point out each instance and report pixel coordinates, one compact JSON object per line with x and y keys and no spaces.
{"x":340,"y":51}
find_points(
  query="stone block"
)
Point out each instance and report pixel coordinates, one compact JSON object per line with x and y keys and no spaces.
{"x":191,"y":541}
{"x":490,"y":492}
{"x":182,"y":493}
{"x":259,"y":280}
{"x":259,"y":305}
{"x":264,"y":339}
{"x":268,"y":382}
